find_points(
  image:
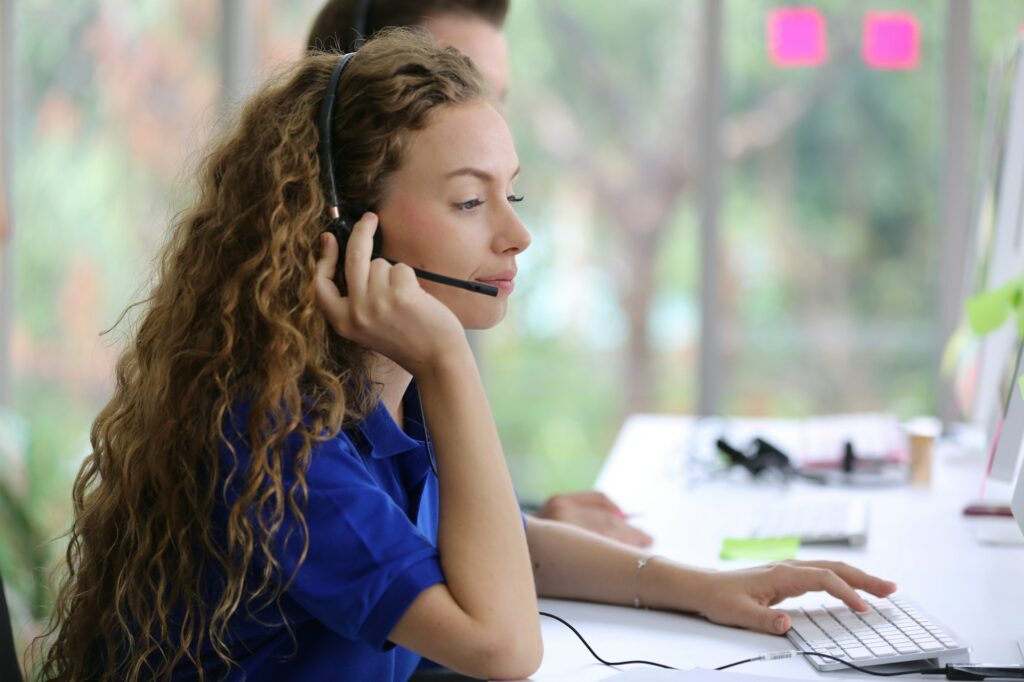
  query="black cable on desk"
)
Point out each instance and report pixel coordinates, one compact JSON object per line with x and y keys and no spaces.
{"x":593,"y":653}
{"x":765,"y":657}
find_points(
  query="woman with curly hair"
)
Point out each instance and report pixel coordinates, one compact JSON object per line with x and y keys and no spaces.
{"x":292,"y":483}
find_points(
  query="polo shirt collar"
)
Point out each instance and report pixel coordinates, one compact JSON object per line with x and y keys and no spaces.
{"x":385,"y":437}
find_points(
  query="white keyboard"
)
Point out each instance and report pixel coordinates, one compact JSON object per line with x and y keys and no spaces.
{"x":895,"y":630}
{"x":815,"y":522}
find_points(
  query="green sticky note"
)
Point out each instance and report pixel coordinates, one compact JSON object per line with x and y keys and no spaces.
{"x":986,"y":312}
{"x":761,"y":549}
{"x":1020,"y":382}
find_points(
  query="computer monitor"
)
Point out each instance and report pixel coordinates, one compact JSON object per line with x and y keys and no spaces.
{"x":1012,"y":447}
{"x":1008,"y":452}
{"x":1017,"y":501}
{"x":1005,"y":461}
{"x":978,"y":360}
{"x":1001,"y":225}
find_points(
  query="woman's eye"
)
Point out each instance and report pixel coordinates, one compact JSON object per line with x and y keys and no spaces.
{"x":515,"y":198}
{"x":469,"y":205}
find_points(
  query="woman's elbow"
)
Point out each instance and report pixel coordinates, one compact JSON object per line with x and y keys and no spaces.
{"x":512,"y":656}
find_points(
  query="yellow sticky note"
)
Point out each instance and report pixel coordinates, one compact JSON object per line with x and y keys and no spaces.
{"x":1020,"y":382}
{"x":760,"y":549}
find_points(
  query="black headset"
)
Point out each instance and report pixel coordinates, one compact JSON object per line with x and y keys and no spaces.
{"x":343,"y":217}
{"x":360,"y":24}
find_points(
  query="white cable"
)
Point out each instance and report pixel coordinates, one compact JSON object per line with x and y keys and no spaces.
{"x":778,"y":655}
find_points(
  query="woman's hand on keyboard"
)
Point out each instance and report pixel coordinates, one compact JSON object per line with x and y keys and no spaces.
{"x":743,"y":598}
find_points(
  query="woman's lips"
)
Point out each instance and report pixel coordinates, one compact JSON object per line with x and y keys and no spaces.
{"x":505,"y":286}
{"x":505,"y":281}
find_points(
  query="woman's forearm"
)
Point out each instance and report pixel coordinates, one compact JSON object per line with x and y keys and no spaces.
{"x":571,"y":563}
{"x":480,"y":536}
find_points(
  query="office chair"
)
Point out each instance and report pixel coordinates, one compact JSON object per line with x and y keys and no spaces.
{"x":9,"y":669}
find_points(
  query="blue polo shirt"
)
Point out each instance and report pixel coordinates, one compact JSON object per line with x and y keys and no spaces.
{"x":372,"y":516}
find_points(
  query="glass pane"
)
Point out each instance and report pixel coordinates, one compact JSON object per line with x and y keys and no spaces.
{"x":831,"y":227}
{"x":605,"y":321}
{"x":111,"y":100}
{"x":830,"y":230}
{"x":281,"y":30}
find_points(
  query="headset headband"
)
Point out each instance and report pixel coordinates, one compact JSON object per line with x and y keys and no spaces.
{"x":324,"y":119}
{"x":361,"y":23}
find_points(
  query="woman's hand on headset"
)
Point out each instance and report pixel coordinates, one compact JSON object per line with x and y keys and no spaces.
{"x":385,"y":309}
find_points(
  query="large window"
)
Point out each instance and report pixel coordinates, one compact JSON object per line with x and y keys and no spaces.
{"x":830,"y":229}
{"x":608,"y":321}
{"x":828,"y":220}
{"x":111,"y":100}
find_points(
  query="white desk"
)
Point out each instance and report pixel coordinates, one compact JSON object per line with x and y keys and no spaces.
{"x":917,"y":537}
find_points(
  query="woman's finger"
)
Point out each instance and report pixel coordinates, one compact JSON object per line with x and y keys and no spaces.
{"x":403,"y":276}
{"x":810,"y":579}
{"x":357,"y":255}
{"x":857,"y":578}
{"x":327,"y":294}
{"x":379,"y":278}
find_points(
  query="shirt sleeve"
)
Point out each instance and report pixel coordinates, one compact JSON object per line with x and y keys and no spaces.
{"x":366,"y":561}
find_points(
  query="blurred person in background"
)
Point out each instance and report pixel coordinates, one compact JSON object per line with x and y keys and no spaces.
{"x":474,"y":27}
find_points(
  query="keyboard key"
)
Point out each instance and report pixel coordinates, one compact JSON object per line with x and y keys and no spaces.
{"x":874,"y":620}
{"x":907,"y":648}
{"x":882,"y":650}
{"x":858,"y":652}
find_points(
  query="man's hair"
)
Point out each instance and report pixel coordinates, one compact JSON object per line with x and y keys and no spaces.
{"x":334,"y":29}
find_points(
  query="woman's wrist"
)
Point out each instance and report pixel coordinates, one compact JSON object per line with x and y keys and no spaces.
{"x":451,"y":358}
{"x":672,"y":586}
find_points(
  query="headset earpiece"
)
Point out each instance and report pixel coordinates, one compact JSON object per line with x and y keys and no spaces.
{"x":342,"y":227}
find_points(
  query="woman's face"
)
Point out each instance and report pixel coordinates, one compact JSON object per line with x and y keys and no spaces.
{"x":449,"y":209}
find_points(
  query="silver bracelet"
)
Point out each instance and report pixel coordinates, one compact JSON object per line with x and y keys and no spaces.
{"x":640,"y":563}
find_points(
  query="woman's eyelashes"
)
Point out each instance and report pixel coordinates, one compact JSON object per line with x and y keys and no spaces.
{"x":471,"y":204}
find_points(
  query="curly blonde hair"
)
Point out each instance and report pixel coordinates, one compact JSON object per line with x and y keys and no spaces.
{"x":233,"y":319}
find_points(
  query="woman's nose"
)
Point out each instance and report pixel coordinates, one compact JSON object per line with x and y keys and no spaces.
{"x":513,"y":237}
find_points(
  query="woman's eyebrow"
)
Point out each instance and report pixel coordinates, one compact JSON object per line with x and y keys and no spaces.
{"x":478,"y":173}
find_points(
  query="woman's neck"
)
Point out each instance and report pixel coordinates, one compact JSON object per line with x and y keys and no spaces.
{"x":394,"y":382}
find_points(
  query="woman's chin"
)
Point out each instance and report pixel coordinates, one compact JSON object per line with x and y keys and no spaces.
{"x":483,"y":319}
